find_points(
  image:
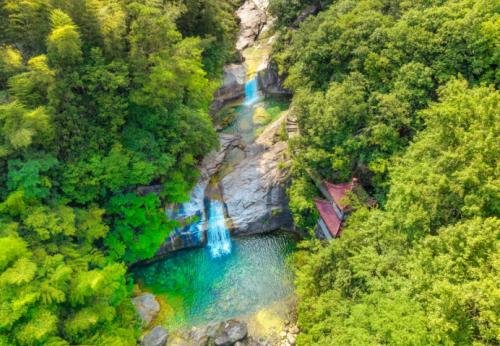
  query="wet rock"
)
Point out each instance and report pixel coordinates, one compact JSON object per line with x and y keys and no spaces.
{"x":147,"y":306}
{"x":255,"y":191}
{"x":250,"y":342}
{"x":179,"y":341}
{"x":144,"y":190}
{"x":157,"y":337}
{"x":253,"y":17}
{"x":231,"y":332}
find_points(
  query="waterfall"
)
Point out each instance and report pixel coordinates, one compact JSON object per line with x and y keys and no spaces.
{"x":252,"y":94}
{"x":219,"y":240}
{"x":195,"y":203}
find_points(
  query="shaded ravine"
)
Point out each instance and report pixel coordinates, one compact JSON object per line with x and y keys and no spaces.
{"x":213,"y":275}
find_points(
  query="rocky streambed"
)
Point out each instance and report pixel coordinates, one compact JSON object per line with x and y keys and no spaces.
{"x":249,"y":171}
{"x":241,"y":294}
{"x":238,"y":332}
{"x":253,"y":189}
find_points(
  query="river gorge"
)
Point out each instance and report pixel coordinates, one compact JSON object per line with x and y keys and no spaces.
{"x":232,"y":256}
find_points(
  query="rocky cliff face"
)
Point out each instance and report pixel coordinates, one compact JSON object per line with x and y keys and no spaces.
{"x":270,"y":82}
{"x":255,"y":191}
{"x":254,"y":21}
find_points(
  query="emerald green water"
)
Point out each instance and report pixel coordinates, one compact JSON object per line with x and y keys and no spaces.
{"x":200,"y":289}
{"x":251,"y":119}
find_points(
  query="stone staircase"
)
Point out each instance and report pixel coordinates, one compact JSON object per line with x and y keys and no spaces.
{"x":292,"y":128}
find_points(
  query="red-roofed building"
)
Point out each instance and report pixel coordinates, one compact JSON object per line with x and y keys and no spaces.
{"x":338,"y":193}
{"x":329,"y":222}
{"x":333,"y":211}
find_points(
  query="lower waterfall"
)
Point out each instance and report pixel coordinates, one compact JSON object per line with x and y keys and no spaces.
{"x":219,"y":239}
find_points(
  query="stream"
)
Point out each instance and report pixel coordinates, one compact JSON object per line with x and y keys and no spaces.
{"x":229,"y":276}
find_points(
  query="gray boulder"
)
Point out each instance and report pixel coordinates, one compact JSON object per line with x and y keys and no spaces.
{"x":157,"y":337}
{"x":251,"y":342}
{"x":200,"y":336}
{"x":231,"y":332}
{"x":147,"y":307}
{"x":255,"y":191}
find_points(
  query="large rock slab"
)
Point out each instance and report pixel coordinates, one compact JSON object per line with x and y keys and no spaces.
{"x":255,"y":191}
{"x":157,"y":337}
{"x":231,"y":332}
{"x":147,"y":306}
{"x":212,"y":161}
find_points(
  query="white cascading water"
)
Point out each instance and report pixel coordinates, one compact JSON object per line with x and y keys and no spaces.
{"x":252,"y":94}
{"x":219,"y":239}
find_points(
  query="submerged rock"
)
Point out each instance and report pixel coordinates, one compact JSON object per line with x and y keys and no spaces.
{"x":255,"y":191}
{"x":157,"y":337}
{"x":231,"y":332}
{"x":147,"y":306}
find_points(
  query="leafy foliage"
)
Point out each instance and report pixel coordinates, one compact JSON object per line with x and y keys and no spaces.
{"x":287,"y":11}
{"x":52,"y":274}
{"x":362,"y":70}
{"x":425,"y":269}
{"x":97,"y":97}
{"x":139,"y":227}
{"x":401,"y":94}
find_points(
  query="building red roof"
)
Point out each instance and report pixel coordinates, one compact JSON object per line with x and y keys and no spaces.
{"x":329,"y":216}
{"x":339,"y":192}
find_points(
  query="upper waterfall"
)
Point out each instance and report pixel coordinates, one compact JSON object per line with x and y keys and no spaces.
{"x":252,"y":93}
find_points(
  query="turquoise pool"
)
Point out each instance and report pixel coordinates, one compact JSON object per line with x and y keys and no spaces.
{"x":197,"y":288}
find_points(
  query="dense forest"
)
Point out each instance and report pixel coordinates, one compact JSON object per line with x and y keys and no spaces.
{"x":97,"y":97}
{"x":402,"y":95}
